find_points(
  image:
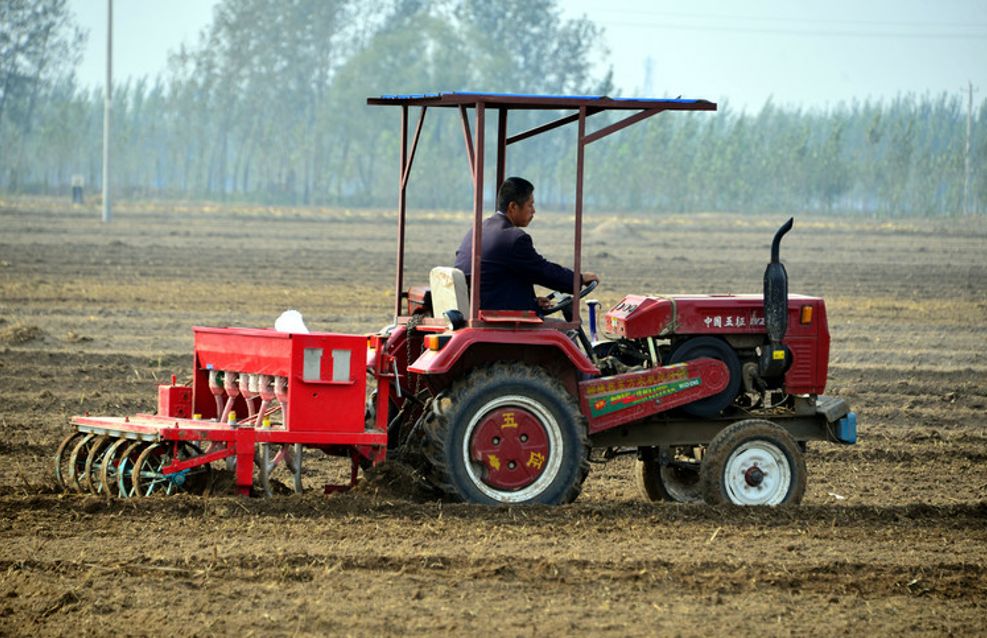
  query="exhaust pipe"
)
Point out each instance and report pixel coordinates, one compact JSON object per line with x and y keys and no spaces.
{"x":776,"y":357}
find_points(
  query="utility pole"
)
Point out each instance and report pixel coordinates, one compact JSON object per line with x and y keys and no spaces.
{"x":649,"y":77}
{"x":967,"y":160}
{"x":108,"y":99}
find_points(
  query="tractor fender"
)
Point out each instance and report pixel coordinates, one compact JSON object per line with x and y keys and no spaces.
{"x":441,"y":361}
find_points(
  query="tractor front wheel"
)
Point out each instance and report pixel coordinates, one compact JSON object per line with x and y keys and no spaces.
{"x":511,"y":434}
{"x":753,"y":462}
{"x":718,"y":349}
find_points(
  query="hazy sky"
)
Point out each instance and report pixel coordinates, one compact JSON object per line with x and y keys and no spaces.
{"x":810,"y":53}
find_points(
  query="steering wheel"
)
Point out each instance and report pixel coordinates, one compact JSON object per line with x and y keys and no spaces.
{"x":562,"y":300}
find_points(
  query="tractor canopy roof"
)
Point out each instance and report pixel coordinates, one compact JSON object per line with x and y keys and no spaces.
{"x":581,"y":108}
{"x":513,"y":101}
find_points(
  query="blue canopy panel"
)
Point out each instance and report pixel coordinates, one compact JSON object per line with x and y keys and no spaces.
{"x":534,"y":101}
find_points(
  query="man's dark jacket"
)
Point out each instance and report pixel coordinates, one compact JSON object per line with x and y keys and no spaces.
{"x":510,"y":267}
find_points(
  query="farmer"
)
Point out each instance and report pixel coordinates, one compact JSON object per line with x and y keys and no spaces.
{"x":510,"y":264}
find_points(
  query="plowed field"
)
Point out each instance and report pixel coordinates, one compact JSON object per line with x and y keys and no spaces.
{"x":891,"y":538}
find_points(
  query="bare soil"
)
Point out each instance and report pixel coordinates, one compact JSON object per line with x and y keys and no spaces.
{"x":891,"y":538}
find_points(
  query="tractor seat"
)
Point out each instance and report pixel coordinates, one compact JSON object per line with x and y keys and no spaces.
{"x":449,"y":291}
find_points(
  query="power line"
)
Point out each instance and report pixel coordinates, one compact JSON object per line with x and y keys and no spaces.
{"x":799,"y":32}
{"x":883,"y":23}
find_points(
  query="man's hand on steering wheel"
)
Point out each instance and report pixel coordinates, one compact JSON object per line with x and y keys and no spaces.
{"x":559,"y":301}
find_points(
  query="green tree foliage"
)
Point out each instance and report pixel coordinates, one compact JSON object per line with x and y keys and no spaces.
{"x":38,"y":45}
{"x":39,"y":49}
{"x":269,"y":106}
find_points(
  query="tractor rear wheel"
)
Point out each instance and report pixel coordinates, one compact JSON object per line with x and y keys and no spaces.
{"x":753,"y":462}
{"x":511,"y":434}
{"x":713,"y":348}
{"x":675,"y":481}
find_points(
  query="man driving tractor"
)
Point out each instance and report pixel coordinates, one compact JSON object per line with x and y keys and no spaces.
{"x":510,"y":264}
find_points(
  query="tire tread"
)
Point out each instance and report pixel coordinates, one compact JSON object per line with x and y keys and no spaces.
{"x":724,"y":443}
{"x":438,"y":431}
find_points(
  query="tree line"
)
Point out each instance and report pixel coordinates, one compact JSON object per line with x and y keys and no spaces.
{"x":269,"y":106}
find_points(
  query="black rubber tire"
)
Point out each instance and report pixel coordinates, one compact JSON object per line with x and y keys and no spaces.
{"x":713,"y":348}
{"x":657,"y":483}
{"x":716,"y":485}
{"x":469,"y":400}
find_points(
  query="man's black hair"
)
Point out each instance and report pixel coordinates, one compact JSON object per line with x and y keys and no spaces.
{"x":514,"y":189}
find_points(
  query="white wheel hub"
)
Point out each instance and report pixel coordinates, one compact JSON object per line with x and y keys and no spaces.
{"x":757,"y":473}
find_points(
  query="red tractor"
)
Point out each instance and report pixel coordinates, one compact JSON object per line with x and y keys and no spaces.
{"x":716,"y":395}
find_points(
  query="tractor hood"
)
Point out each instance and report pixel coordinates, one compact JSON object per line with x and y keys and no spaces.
{"x":639,"y":316}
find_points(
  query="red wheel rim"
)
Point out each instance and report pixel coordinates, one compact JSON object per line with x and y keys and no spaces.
{"x":512,"y":446}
